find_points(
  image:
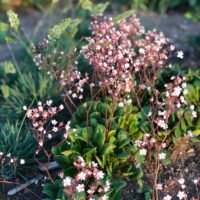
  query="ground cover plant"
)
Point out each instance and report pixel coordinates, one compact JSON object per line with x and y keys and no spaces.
{"x":112,"y":110}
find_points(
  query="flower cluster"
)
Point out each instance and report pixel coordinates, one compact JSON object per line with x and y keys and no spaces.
{"x":123,"y":53}
{"x":13,"y":20}
{"x":40,"y":118}
{"x":75,"y":83}
{"x":8,"y":159}
{"x":149,"y":143}
{"x":89,"y":180}
{"x":172,"y":100}
{"x":182,"y":193}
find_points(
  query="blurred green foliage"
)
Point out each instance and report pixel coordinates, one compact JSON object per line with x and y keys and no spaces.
{"x":16,"y":140}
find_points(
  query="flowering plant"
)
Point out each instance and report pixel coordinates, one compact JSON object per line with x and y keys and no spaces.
{"x":126,"y":63}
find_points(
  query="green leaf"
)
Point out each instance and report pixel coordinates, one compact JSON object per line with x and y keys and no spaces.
{"x":166,"y":161}
{"x":107,"y":149}
{"x":88,"y":153}
{"x":99,"y":136}
{"x":3,"y":27}
{"x":148,"y":194}
{"x":101,"y":164}
{"x":69,"y":25}
{"x":124,"y":143}
{"x":188,"y":118}
{"x":123,"y":156}
{"x":133,"y":127}
{"x":123,"y":16}
{"x":138,"y":173}
{"x":69,"y":152}
{"x":183,"y":125}
{"x":140,"y":183}
{"x":5,"y":91}
{"x":178,"y":132}
{"x":85,"y":4}
{"x":117,"y":187}
{"x":99,"y":9}
{"x":80,"y":196}
{"x":85,"y":134}
{"x":9,"y":67}
{"x":139,"y":158}
{"x":196,"y":132}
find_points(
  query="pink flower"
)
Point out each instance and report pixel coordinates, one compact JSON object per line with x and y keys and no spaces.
{"x":181,"y":195}
{"x":168,"y":197}
{"x":159,"y":186}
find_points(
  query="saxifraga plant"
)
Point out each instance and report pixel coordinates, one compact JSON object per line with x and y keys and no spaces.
{"x":126,"y":62}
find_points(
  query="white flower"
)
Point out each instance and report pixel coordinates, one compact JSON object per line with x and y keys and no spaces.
{"x":11,"y":160}
{"x":170,"y":66}
{"x":181,"y":181}
{"x":104,"y":197}
{"x":80,"y":158}
{"x":143,"y":152}
{"x":41,"y":129}
{"x":128,"y":102}
{"x":121,"y":104}
{"x":162,"y":156}
{"x":24,"y":107}
{"x":159,"y":186}
{"x":1,"y":153}
{"x":149,"y":114}
{"x":195,"y":181}
{"x":40,"y":108}
{"x":190,"y":133}
{"x":61,"y":107}
{"x":162,"y":124}
{"x":49,"y":136}
{"x":98,"y":47}
{"x":66,"y":135}
{"x":182,"y":99}
{"x":184,"y":85}
{"x":94,"y":164}
{"x":107,"y":187}
{"x":191,"y":107}
{"x":178,"y":105}
{"x":168,"y":197}
{"x":55,"y":129}
{"x":67,"y":181}
{"x":177,"y":91}
{"x":172,"y":47}
{"x":180,"y":54}
{"x":54,"y":122}
{"x":194,"y":114}
{"x":90,"y":191}
{"x":99,"y":175}
{"x":183,"y":186}
{"x":74,"y":95}
{"x":22,"y":161}
{"x":141,"y":51}
{"x":41,"y":143}
{"x":81,"y":176}
{"x":80,"y":188}
{"x":181,"y":195}
{"x":67,"y":126}
{"x":127,"y":65}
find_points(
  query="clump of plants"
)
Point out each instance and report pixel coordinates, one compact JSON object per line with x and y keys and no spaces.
{"x":127,"y":115}
{"x":129,"y":118}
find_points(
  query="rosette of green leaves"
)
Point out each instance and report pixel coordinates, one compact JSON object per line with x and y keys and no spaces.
{"x":99,"y":134}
